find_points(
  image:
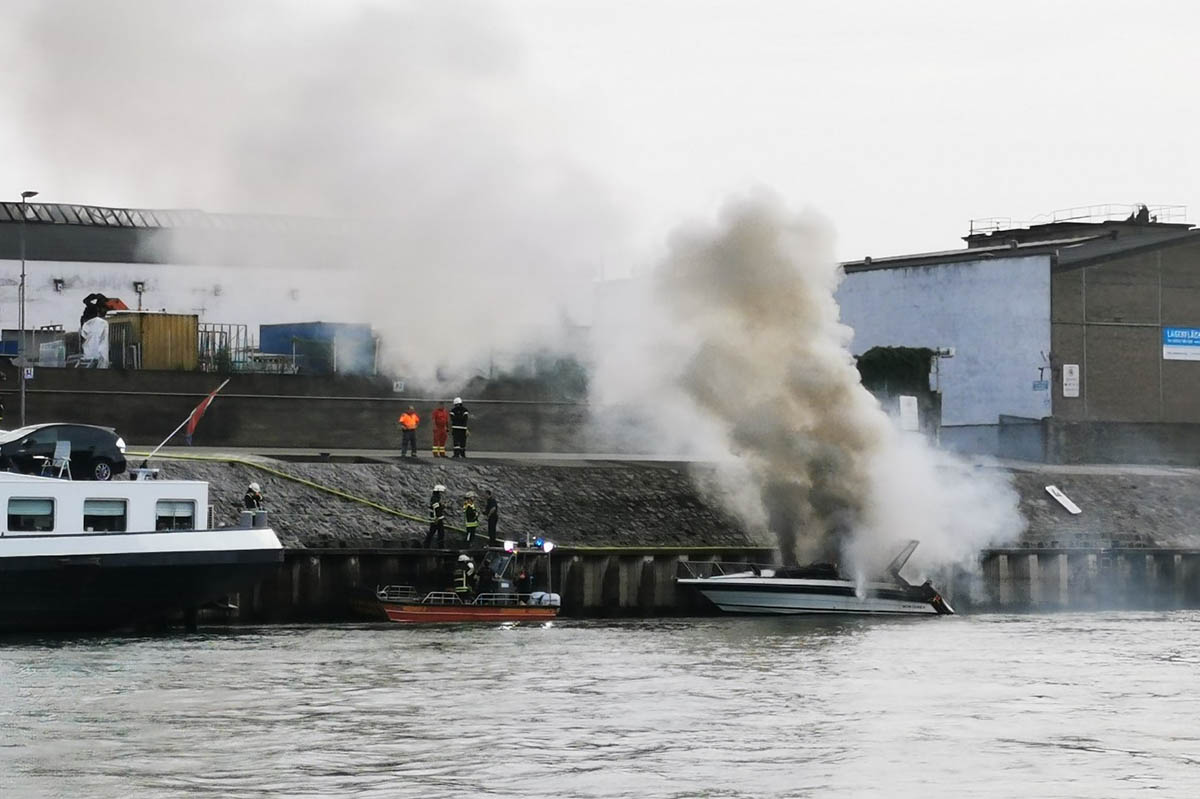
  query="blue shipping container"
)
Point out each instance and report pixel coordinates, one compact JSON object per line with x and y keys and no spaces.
{"x":322,"y":347}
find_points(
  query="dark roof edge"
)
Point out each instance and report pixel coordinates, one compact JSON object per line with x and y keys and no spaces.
{"x":1066,"y":263}
{"x":956,"y":256}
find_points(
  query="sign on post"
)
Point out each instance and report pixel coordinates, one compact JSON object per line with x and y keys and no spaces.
{"x":1070,"y":380}
{"x":28,"y":372}
{"x":1181,"y":343}
{"x":1063,"y":500}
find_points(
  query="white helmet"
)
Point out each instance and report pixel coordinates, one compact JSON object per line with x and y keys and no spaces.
{"x":458,"y":400}
{"x":470,"y":495}
{"x":464,"y":558}
{"x":439,"y":487}
{"x":254,"y":487}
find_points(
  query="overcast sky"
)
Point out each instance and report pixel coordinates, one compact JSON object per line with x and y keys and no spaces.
{"x":898,"y":122}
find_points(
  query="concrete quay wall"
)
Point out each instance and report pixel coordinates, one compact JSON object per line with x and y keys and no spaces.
{"x":1084,"y":579}
{"x":337,"y":585}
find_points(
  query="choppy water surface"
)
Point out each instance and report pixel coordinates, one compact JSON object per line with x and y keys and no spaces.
{"x":1046,"y":706}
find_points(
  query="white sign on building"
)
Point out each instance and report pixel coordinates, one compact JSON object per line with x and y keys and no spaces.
{"x":909,"y":420}
{"x":1070,"y":380}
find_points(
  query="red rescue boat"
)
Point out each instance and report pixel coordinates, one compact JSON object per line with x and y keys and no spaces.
{"x":504,"y":596}
{"x":445,"y":606}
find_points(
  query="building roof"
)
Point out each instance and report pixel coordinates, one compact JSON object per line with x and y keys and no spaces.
{"x":1010,"y":250}
{"x":99,"y":216}
{"x":1076,"y":246}
{"x":90,"y":233}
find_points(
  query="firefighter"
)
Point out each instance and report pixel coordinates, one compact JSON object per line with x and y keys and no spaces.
{"x":437,"y":518}
{"x":491,"y":509}
{"x":441,"y":423}
{"x":463,"y":576}
{"x":253,"y":500}
{"x":408,"y":422}
{"x":458,"y":427}
{"x":470,"y":516}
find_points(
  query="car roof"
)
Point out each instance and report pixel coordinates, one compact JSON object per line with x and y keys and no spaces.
{"x":9,"y":435}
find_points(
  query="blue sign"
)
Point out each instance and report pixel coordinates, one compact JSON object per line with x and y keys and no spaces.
{"x":1181,"y":343}
{"x":1041,"y":385}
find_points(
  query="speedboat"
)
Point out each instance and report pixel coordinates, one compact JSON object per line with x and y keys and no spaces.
{"x":817,"y":588}
{"x":78,"y":555}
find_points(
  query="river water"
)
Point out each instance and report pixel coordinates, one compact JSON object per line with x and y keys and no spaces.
{"x":1069,"y":705}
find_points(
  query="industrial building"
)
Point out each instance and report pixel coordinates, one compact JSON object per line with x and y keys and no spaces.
{"x":197,"y":287}
{"x":1073,"y":338}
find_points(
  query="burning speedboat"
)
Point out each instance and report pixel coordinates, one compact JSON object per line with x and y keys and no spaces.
{"x":816,"y":588}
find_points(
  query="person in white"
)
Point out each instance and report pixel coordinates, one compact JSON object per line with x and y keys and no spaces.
{"x":93,"y":337}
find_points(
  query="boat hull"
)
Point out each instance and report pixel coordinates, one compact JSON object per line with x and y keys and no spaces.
{"x":781,"y":597}
{"x":418,"y":613}
{"x":109,"y":581}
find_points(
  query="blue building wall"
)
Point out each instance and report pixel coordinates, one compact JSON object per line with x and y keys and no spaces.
{"x":994,"y":312}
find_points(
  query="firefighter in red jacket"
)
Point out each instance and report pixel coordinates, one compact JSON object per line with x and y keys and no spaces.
{"x":441,"y":424}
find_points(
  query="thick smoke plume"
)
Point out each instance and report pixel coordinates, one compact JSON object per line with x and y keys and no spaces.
{"x":754,"y":326}
{"x":444,"y":206}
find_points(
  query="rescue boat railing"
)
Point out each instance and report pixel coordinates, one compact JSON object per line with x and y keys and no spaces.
{"x":396,"y":593}
{"x":442,"y":598}
{"x":501,"y":599}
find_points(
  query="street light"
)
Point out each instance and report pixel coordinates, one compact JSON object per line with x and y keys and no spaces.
{"x":25,"y":195}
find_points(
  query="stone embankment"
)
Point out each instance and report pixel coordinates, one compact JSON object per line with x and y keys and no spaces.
{"x":639,"y":504}
{"x":1121,"y":506}
{"x":596,"y":504}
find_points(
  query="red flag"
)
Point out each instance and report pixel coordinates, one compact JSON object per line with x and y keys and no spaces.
{"x":199,"y":410}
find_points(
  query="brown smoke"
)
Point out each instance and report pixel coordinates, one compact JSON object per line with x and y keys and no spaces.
{"x":765,"y":355}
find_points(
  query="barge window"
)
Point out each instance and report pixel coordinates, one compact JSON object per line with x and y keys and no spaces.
{"x":104,"y":515}
{"x":30,"y":515}
{"x":175,"y":514}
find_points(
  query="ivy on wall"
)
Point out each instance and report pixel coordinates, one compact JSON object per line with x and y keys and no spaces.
{"x":895,"y":370}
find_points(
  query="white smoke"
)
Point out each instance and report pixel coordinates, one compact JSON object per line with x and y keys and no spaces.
{"x":747,"y":351}
{"x":446,"y":208}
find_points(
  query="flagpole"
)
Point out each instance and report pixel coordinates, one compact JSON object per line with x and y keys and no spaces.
{"x":181,"y":424}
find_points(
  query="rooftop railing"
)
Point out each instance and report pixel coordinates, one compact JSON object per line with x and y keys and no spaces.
{"x":1091,"y":214}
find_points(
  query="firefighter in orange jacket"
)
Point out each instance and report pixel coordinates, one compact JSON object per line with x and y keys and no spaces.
{"x":441,"y":424}
{"x":408,"y":431}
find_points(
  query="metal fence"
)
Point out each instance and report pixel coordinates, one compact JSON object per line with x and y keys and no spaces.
{"x":224,"y":348}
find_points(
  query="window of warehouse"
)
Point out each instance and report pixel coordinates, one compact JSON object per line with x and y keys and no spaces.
{"x":104,"y":515}
{"x":175,"y":514}
{"x":30,"y":515}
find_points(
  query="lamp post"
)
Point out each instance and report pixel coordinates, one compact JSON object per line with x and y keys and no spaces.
{"x":25,"y":195}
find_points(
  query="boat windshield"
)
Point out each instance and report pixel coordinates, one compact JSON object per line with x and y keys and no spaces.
{"x":813,"y":571}
{"x":499,"y":562}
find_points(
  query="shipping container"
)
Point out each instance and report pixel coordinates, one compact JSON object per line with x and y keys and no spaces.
{"x":142,"y":340}
{"x":322,"y":347}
